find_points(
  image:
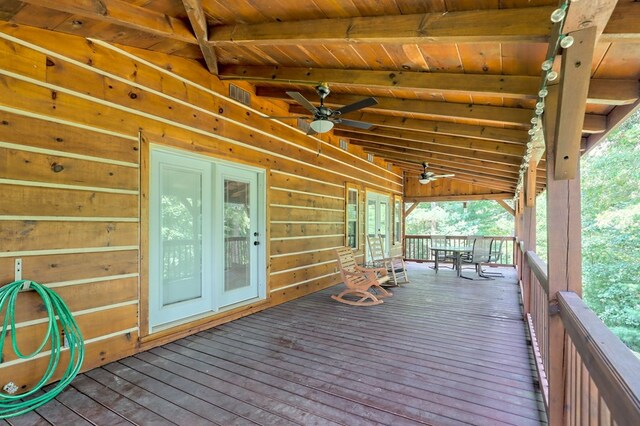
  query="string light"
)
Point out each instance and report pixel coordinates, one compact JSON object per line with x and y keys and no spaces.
{"x":563,"y":41}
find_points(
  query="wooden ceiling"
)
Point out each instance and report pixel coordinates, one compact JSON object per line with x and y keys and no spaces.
{"x":456,"y":80}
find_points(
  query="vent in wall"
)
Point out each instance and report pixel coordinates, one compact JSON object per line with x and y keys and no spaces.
{"x":344,"y":144}
{"x":239,"y":95}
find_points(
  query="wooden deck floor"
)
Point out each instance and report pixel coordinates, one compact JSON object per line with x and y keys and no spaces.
{"x":441,"y":351}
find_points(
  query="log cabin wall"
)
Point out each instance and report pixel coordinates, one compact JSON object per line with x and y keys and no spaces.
{"x":77,"y":120}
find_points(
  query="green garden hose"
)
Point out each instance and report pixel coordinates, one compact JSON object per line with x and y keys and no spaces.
{"x":15,"y":404}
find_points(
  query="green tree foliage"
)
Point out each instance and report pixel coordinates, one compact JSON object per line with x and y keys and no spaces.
{"x":451,"y":218}
{"x":610,"y":181}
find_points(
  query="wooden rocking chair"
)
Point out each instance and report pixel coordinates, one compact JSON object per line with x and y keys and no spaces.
{"x":394,"y":264}
{"x":360,"y":281}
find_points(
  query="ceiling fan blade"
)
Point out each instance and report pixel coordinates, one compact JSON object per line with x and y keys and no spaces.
{"x":303,"y":101}
{"x":364,"y":103}
{"x":355,"y":123}
{"x":442,"y":176}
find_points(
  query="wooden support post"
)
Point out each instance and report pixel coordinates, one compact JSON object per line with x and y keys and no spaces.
{"x":564,"y":258}
{"x":530,"y":186}
{"x":529,"y":238}
{"x":575,"y":74}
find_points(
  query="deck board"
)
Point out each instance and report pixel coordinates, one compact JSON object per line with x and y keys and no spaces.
{"x":441,"y":351}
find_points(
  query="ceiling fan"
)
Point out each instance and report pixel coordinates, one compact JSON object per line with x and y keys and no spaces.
{"x":324,"y":118}
{"x":426,"y":177}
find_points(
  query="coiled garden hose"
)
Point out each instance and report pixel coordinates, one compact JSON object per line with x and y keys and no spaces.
{"x":59,"y":317}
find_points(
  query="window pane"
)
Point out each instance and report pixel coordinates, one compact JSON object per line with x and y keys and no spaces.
{"x":181,"y":230}
{"x":237,"y":225}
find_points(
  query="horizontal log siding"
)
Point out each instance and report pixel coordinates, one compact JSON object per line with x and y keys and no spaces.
{"x":74,"y":178}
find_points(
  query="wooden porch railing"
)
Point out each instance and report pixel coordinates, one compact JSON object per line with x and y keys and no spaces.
{"x":417,"y":248}
{"x":601,"y":376}
{"x":183,"y":253}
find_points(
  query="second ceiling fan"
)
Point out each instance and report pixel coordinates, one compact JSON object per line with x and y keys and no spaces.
{"x":324,"y":118}
{"x":426,"y":176}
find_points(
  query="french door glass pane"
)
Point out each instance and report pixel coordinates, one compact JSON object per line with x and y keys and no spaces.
{"x":372,"y":230}
{"x":237,"y":234}
{"x":181,"y":234}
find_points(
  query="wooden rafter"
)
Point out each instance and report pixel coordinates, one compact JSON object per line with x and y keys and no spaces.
{"x":410,"y":210}
{"x":601,"y":91}
{"x":623,"y":24}
{"x":199,"y":24}
{"x":476,"y":197}
{"x":484,"y":113}
{"x":477,"y":26}
{"x":124,"y":14}
{"x":417,"y":139}
{"x":495,"y":85}
{"x":418,"y":147}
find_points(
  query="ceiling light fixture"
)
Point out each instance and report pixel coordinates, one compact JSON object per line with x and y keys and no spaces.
{"x":321,"y":126}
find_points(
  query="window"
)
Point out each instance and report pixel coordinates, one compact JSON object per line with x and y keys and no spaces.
{"x":351,"y":214}
{"x":397,"y":219}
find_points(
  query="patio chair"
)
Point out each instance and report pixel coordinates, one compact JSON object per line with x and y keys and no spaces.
{"x":481,"y":254}
{"x":441,"y":241}
{"x":360,"y":282}
{"x":494,"y":257}
{"x":393,"y":264}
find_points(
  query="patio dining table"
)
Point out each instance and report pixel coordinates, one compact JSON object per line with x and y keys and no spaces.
{"x":457,"y":252}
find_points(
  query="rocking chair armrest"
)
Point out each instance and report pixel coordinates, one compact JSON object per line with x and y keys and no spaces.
{"x":381,"y":271}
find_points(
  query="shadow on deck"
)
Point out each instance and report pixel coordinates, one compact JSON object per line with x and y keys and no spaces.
{"x":441,"y":351}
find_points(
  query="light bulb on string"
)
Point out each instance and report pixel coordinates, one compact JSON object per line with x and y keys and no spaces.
{"x":558,"y":15}
{"x":534,"y":120}
{"x":552,"y":76}
{"x":547,"y":65}
{"x":543,"y":92}
{"x":566,"y":42}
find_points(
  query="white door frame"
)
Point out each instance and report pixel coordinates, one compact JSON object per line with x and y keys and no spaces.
{"x":213,"y":279}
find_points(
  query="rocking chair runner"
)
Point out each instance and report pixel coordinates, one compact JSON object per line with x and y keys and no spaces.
{"x":360,"y":281}
{"x":394,"y":265}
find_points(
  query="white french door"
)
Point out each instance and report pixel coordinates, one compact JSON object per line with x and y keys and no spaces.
{"x":238,"y":192}
{"x":206,"y":236}
{"x":378,"y":217}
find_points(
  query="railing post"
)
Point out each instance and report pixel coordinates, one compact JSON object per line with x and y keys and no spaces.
{"x":564,"y":259}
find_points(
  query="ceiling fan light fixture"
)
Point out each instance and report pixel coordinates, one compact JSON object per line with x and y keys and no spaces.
{"x":321,"y":126}
{"x":424,"y":178}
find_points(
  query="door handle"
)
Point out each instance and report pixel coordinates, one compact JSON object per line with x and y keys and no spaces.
{"x":256,"y":243}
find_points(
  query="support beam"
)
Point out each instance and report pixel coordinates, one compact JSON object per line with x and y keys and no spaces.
{"x":574,"y":85}
{"x":476,"y":26}
{"x":507,"y":207}
{"x":418,"y":147}
{"x":484,"y":113}
{"x":622,"y":26}
{"x":199,"y":24}
{"x":431,"y":126}
{"x":530,"y":187}
{"x":594,"y":13}
{"x":601,"y":91}
{"x":410,"y":210}
{"x":125,"y":14}
{"x":497,"y":196}
{"x":509,"y":86}
{"x":408,"y":139}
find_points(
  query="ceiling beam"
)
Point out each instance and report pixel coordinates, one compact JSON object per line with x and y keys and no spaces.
{"x":594,"y":13}
{"x":594,"y":124}
{"x":417,"y":157}
{"x":198,"y":21}
{"x":475,"y":26}
{"x":509,"y":86}
{"x":429,"y":147}
{"x":623,"y":25}
{"x":481,"y":145}
{"x":484,"y":113}
{"x":125,"y":14}
{"x":438,"y":127}
{"x":601,"y":91}
{"x":475,"y":197}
